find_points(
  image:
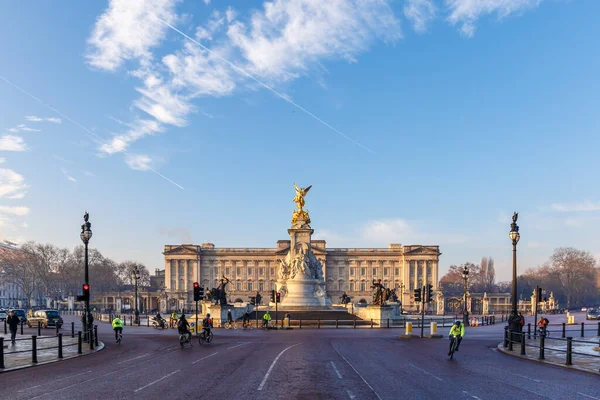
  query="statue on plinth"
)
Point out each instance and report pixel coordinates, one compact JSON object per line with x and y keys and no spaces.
{"x":219,"y":294}
{"x":378,"y":294}
{"x":300,"y":217}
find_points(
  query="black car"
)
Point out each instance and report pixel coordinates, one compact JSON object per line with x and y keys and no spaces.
{"x":21,"y":314}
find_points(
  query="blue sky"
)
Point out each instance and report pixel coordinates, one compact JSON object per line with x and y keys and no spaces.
{"x":430,"y":123}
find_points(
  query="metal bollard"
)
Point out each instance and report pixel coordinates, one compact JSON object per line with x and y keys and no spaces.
{"x":529,"y":331}
{"x":96,"y":334}
{"x":337,"y":323}
{"x":72,"y":329}
{"x":21,"y":327}
{"x":564,"y":330}
{"x":300,"y":323}
{"x":505,"y":337}
{"x":582,"y":330}
{"x":510,"y":341}
{"x":542,"y":346}
{"x":6,"y":332}
{"x":79,"y":341}
{"x":569,"y":351}
{"x":598,"y":328}
{"x":39,"y":329}
{"x":34,"y":349}
{"x":522,"y":344}
{"x":60,"y":349}
{"x":91,"y":337}
{"x":319,"y":324}
{"x":148,"y":320}
{"x":354,"y":323}
{"x":371,"y":323}
{"x":388,"y":322}
{"x":1,"y":353}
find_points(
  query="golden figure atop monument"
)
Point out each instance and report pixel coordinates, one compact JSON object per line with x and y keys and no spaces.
{"x":300,"y":216}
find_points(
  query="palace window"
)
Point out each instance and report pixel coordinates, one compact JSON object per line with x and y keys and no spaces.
{"x":261,"y":271}
{"x":238,"y":286}
{"x":261,"y":286}
{"x":227,"y":271}
{"x":341,"y":271}
{"x":397,"y":272}
{"x":386,"y":271}
{"x":362,"y":287}
{"x":272,"y":271}
{"x":238,"y":271}
{"x":249,"y":286}
{"x":351,"y":271}
{"x":273,"y":286}
{"x":352,"y":286}
{"x":249,"y":271}
{"x":374,"y":272}
{"x":363,"y":271}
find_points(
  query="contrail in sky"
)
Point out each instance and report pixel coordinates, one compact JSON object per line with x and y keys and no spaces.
{"x":248,"y":75}
{"x":81,"y":126}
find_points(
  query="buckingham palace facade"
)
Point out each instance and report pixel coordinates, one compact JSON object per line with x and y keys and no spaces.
{"x":350,"y":270}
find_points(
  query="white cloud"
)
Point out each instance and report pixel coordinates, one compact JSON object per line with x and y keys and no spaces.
{"x":33,"y":118}
{"x":230,"y":14}
{"x":574,"y":222}
{"x":23,"y":128}
{"x":2,"y":160}
{"x":12,"y":143}
{"x":12,"y":184}
{"x":389,"y":231}
{"x":88,"y":173}
{"x":20,"y":211}
{"x":137,"y":130}
{"x":576,"y":207}
{"x":419,"y":12}
{"x":66,"y":174}
{"x":207,"y":2}
{"x":127,"y":31}
{"x":139,"y":162}
{"x":25,"y":225}
{"x":467,"y":12}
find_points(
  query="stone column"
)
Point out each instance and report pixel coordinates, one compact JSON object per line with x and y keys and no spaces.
{"x":416,"y":272}
{"x":176,"y":275}
{"x":168,"y":274}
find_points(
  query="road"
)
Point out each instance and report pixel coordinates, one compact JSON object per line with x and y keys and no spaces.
{"x":298,"y":364}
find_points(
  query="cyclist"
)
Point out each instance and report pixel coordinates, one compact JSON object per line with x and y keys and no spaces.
{"x":246,"y":319}
{"x":173,"y":319}
{"x":457,"y":332}
{"x":207,"y":323}
{"x":117,"y":326}
{"x":542,"y":323}
{"x":229,"y":317}
{"x":266,"y":319}
{"x":183,"y":327}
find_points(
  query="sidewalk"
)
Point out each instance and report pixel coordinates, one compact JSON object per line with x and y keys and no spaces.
{"x":19,"y":355}
{"x":587,"y":359}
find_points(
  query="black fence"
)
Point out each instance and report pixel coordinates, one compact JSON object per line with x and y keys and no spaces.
{"x":549,"y":338}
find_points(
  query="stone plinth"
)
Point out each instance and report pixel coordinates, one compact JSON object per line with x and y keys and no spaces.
{"x":301,"y":293}
{"x":379,"y":314}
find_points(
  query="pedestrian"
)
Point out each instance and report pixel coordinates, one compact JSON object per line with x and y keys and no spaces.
{"x":13,"y":323}
{"x":521,"y":321}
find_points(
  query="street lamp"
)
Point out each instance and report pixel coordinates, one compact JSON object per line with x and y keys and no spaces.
{"x":465,"y":276}
{"x":402,"y":286}
{"x":136,"y":277}
{"x":86,"y":235}
{"x":514,"y":322}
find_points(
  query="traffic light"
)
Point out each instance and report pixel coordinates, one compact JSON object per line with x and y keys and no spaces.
{"x":253,"y":300}
{"x":417,"y":294}
{"x":278,"y":297}
{"x":429,"y":293}
{"x":197,"y":295}
{"x":272,"y":296}
{"x":539,"y":294}
{"x":85,"y":296}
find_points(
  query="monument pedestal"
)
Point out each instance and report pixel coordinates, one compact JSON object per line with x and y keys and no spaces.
{"x":379,"y":314}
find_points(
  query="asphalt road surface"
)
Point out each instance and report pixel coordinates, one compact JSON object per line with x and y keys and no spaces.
{"x":298,"y":364}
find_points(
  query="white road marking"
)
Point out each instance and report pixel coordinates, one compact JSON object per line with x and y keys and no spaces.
{"x":156,"y":381}
{"x":204,"y":358}
{"x":588,"y":396}
{"x":134,"y":358}
{"x":357,"y":373}
{"x":469,"y":394}
{"x":425,"y":372}
{"x":55,"y":380}
{"x":519,"y":375}
{"x":238,"y":345}
{"x":336,"y":370}
{"x":350,"y":394}
{"x":262,"y":384}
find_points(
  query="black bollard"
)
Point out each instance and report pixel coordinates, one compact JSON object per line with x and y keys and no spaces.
{"x":1,"y":353}
{"x":542,"y":346}
{"x":569,"y":351}
{"x":34,"y":349}
{"x":564,"y":329}
{"x":79,"y":342}
{"x":91,"y":337}
{"x":60,"y":349}
{"x":505,"y":337}
{"x":522,"y":344}
{"x":582,"y":329}
{"x":529,"y":331}
{"x":72,"y":329}
{"x":21,"y":327}
{"x":96,"y":334}
{"x":6,"y":332}
{"x":39,"y":329}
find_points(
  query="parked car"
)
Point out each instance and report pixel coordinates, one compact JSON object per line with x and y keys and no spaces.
{"x":45,"y":318}
{"x":3,"y":315}
{"x":592,"y":313}
{"x":21,"y":314}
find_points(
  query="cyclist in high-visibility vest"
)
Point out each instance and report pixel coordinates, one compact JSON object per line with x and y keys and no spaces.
{"x":117,"y":326}
{"x":266,"y":318}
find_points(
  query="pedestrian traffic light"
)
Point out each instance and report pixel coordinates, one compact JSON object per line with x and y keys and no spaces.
{"x":278,"y":297}
{"x":272,"y":296}
{"x":429,"y":293}
{"x":85,"y":293}
{"x":197,"y":295}
{"x":417,"y":294}
{"x":539,"y":294}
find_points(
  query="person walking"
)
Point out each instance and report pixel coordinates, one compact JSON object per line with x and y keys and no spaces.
{"x":13,"y":324}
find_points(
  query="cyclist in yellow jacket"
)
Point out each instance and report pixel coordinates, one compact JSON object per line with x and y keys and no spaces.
{"x":266,"y":319}
{"x":457,"y":331}
{"x":117,"y":326}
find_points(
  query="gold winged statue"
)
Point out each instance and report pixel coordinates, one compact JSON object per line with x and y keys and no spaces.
{"x":300,"y":214}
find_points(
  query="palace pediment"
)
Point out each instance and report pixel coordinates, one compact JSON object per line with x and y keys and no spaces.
{"x":180,"y":251}
{"x":423,"y":251}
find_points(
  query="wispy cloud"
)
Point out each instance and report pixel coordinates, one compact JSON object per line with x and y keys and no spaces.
{"x":33,"y":118}
{"x":87,"y":173}
{"x":66,"y":174}
{"x":585,"y":206}
{"x":19,"y":211}
{"x":23,"y":128}
{"x":12,"y":143}
{"x":419,"y":12}
{"x":2,"y":160}
{"x":62,"y":159}
{"x":138,"y":162}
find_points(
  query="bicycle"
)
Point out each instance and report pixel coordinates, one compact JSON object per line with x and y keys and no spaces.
{"x":543,"y":331}
{"x":202,"y":338}
{"x":184,"y":338}
{"x":119,"y":338}
{"x":248,"y":325}
{"x":230,"y":325}
{"x":453,"y":345}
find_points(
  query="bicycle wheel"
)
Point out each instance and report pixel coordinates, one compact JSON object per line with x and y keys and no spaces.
{"x":227,"y":325}
{"x":209,"y":338}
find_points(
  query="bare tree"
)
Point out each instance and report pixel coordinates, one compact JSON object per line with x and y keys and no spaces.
{"x":20,"y":270}
{"x":576,"y":272}
{"x":125,"y":273}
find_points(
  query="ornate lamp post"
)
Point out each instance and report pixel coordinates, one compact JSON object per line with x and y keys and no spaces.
{"x":136,"y":277}
{"x":402,"y":286}
{"x":465,"y":276}
{"x":86,"y":235}
{"x":513,"y":321}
